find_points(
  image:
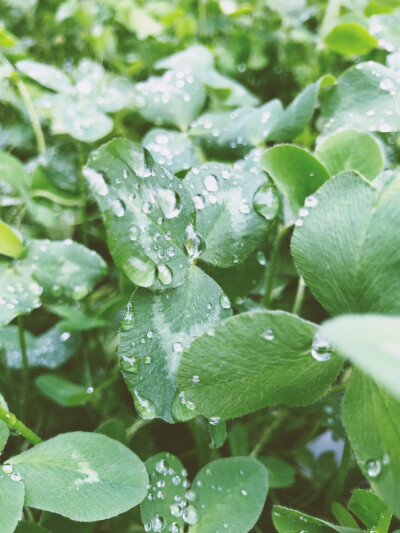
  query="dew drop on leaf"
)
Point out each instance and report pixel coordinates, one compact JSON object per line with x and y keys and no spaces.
{"x":164,"y":275}
{"x":190,"y":515}
{"x":265,"y":201}
{"x":373,"y":468}
{"x":268,"y":335}
{"x":211,"y":183}
{"x":321,"y":350}
{"x":224,"y":301}
{"x":144,"y":406}
{"x":215,"y":420}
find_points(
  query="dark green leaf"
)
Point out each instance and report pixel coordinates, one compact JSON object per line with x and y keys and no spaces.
{"x":62,"y":391}
{"x":291,"y":521}
{"x":280,"y":473}
{"x":368,"y":508}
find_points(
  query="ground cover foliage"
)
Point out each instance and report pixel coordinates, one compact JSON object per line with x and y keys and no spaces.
{"x":199,"y":266}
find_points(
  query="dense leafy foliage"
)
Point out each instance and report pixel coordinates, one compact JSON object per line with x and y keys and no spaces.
{"x":199,"y":266}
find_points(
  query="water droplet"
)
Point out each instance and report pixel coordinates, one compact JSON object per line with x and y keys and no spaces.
{"x":194,"y":243}
{"x":214,"y":420}
{"x":144,"y":406}
{"x":175,"y":510}
{"x":211,"y":183}
{"x":117,"y":208}
{"x":244,"y":492}
{"x":266,"y":202}
{"x":174,"y":528}
{"x":147,"y":527}
{"x":141,"y":270}
{"x":244,"y":209}
{"x":190,"y":515}
{"x":386,"y":84}
{"x":15,"y":476}
{"x":96,"y":181}
{"x":130,"y":364}
{"x":373,"y":468}
{"x":178,"y":348}
{"x":268,"y":335}
{"x":134,"y":233}
{"x":176,"y":480}
{"x":224,"y":301}
{"x":311,"y":201}
{"x":90,"y":390}
{"x":198,"y":201}
{"x":385,"y":459}
{"x":298,"y":222}
{"x":146,"y":208}
{"x":171,"y":251}
{"x":147,"y":360}
{"x":7,"y":469}
{"x":169,"y":202}
{"x":196,"y":379}
{"x":158,"y":523}
{"x":303,"y":212}
{"x":164,"y":275}
{"x":190,"y":495}
{"x":65,"y":336}
{"x":127,"y":320}
{"x":321,"y":350}
{"x":162,"y":466}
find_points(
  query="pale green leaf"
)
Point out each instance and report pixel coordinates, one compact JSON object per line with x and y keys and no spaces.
{"x":263,"y":358}
{"x":372,"y":342}
{"x":19,"y":293}
{"x":11,"y":243}
{"x":291,"y":521}
{"x":100,"y":477}
{"x":346,"y":248}
{"x":350,"y":38}
{"x":47,"y":75}
{"x":11,"y":502}
{"x":371,"y":417}
{"x":62,"y":391}
{"x":351,"y":150}
{"x":228,"y":494}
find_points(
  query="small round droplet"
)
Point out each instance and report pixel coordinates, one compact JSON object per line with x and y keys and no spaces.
{"x":373,"y":468}
{"x":196,"y":379}
{"x":244,"y":492}
{"x":310,"y":201}
{"x":321,"y":350}
{"x":7,"y":469}
{"x":211,"y":183}
{"x":268,"y":334}
{"x":224,"y":301}
{"x":178,"y":348}
{"x":215,"y":420}
{"x":15,"y":476}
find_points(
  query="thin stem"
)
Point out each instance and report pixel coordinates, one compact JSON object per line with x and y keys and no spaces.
{"x":82,"y":185}
{"x":25,"y":365}
{"x":269,"y":430}
{"x":136,"y":426}
{"x":29,"y":514}
{"x":298,"y":301}
{"x":37,"y":128}
{"x":272,"y":265}
{"x":13,"y":423}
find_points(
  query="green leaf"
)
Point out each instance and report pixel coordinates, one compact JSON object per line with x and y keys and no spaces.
{"x":368,"y":508}
{"x":264,"y":358}
{"x":197,"y":54}
{"x":75,"y":319}
{"x":11,"y":501}
{"x":232,"y":93}
{"x":4,"y":431}
{"x":371,"y":417}
{"x":351,"y":150}
{"x":115,"y":429}
{"x":345,"y":247}
{"x":343,"y":516}
{"x":43,"y":187}
{"x":371,"y":342}
{"x":218,"y":432}
{"x":65,"y":269}
{"x":296,"y":172}
{"x":49,"y":350}
{"x":364,"y":98}
{"x":62,"y":391}
{"x":228,"y":491}
{"x":280,"y":473}
{"x":350,"y":38}
{"x":299,"y":113}
{"x":11,"y":243}
{"x":291,"y":521}
{"x":154,"y":334}
{"x":243,"y":127}
{"x":47,"y":75}
{"x":225,"y":217}
{"x":100,"y":477}
{"x":174,"y":150}
{"x":19,"y":293}
{"x":164,"y":506}
{"x":146,"y":211}
{"x":174,"y":99}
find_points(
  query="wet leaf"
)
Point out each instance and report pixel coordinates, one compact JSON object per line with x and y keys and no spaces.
{"x":63,"y":391}
{"x":11,"y":502}
{"x":19,"y":293}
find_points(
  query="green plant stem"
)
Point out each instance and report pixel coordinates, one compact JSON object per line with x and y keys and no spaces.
{"x":37,"y":128}
{"x":272,"y":265}
{"x":83,"y":191}
{"x":298,"y":301}
{"x":25,"y":365}
{"x":269,"y":430}
{"x":136,"y":426}
{"x":29,"y":514}
{"x":13,"y":423}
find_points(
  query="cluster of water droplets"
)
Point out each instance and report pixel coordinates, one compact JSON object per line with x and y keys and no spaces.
{"x":9,"y":470}
{"x":309,"y":203}
{"x":15,"y":294}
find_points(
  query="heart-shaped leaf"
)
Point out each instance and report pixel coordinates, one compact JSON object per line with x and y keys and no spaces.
{"x":345,"y":247}
{"x":146,"y":211}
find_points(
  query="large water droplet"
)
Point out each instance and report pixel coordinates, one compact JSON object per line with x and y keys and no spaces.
{"x":214,"y":420}
{"x":373,"y":468}
{"x":194,"y":243}
{"x":224,"y":301}
{"x":169,"y":202}
{"x":130,"y":364}
{"x":141,"y":270}
{"x":266,"y":202}
{"x":190,"y":515}
{"x":321,"y":350}
{"x":15,"y":476}
{"x":211,"y":183}
{"x":164,"y":275}
{"x":158,"y":523}
{"x":268,"y":334}
{"x":144,"y":406}
{"x":198,"y":201}
{"x":127,"y":320}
